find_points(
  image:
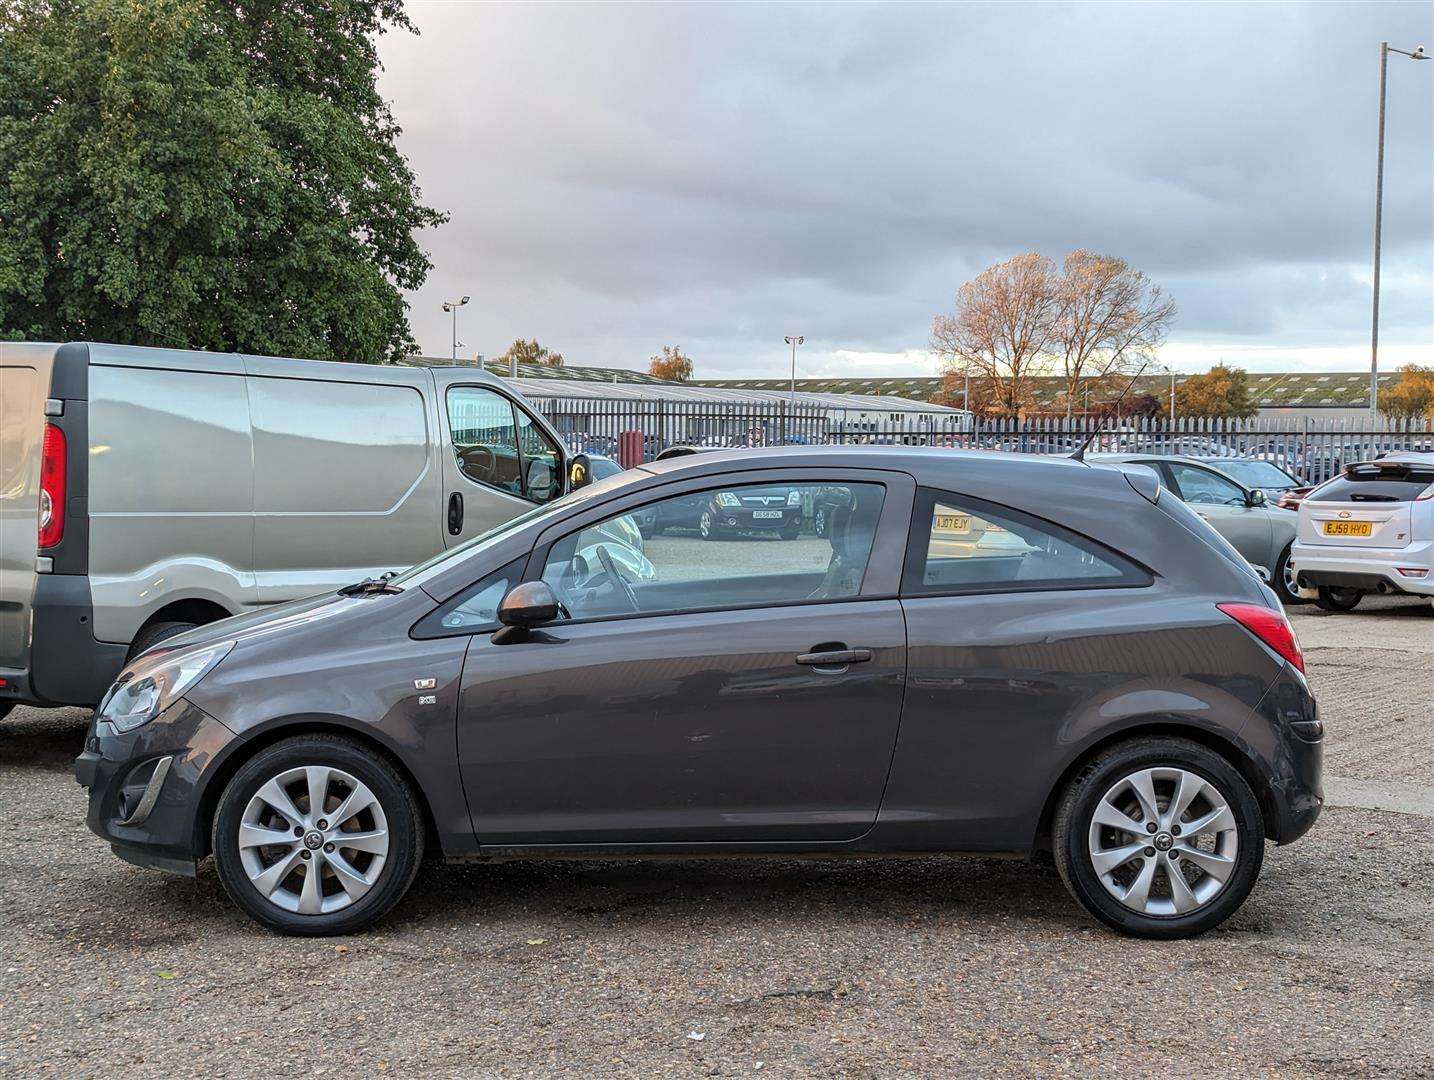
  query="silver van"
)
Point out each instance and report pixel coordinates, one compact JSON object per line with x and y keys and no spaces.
{"x":147,"y":491}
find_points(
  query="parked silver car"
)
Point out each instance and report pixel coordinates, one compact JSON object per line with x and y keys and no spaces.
{"x":147,"y":491}
{"x":1258,"y":530}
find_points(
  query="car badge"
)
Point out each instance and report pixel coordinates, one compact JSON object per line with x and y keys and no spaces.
{"x":424,"y":684}
{"x":1344,"y":513}
{"x":427,"y":699}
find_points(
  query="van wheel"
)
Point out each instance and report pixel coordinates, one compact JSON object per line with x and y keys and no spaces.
{"x":152,"y":635}
{"x":317,"y":836}
{"x":1159,"y":838}
{"x":1334,"y":598}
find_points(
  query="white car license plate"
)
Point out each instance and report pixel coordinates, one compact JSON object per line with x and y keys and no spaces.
{"x":766,"y":515}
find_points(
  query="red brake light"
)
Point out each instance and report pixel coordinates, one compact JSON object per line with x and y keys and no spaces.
{"x":1271,"y":627}
{"x":52,"y":487}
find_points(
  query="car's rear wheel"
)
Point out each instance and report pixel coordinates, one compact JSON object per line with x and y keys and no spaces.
{"x":316,"y":836}
{"x":1159,"y":837}
{"x":1335,"y":598}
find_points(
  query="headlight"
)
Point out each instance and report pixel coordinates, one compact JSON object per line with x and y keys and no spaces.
{"x":726,"y":498}
{"x":794,"y":498}
{"x":139,"y":700}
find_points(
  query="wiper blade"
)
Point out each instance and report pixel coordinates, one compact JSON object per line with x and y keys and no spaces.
{"x":373,"y":585}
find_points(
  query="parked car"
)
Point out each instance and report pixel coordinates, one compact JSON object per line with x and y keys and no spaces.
{"x":1370,"y":529}
{"x":600,"y":467}
{"x":1262,"y":475}
{"x":721,"y":515}
{"x":1261,"y":533}
{"x":147,"y":491}
{"x":1120,"y":688}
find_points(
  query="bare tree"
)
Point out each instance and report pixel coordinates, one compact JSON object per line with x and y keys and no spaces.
{"x":1111,"y":319}
{"x":1001,"y":329}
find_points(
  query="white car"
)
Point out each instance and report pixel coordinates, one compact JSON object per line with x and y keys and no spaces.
{"x":1370,"y":529}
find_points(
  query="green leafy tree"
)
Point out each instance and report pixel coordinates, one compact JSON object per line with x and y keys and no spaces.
{"x":530,"y":352}
{"x":205,"y":174}
{"x":1221,"y":391}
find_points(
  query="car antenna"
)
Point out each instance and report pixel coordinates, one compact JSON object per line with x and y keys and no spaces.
{"x":1079,"y":454}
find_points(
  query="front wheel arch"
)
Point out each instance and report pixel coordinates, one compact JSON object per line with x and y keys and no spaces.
{"x":1227,"y":749}
{"x":248,"y":748}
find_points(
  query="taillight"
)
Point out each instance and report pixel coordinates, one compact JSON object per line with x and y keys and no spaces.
{"x":1271,"y":627}
{"x":52,"y":487}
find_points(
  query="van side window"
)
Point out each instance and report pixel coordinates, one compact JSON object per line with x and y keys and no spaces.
{"x":960,"y":544}
{"x":498,"y":444}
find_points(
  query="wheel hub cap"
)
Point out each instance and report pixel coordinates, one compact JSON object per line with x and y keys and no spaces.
{"x":1163,"y":841}
{"x":313,"y":840}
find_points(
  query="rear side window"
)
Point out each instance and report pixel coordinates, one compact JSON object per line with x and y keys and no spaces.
{"x":959,"y":544}
{"x":1392,"y":483}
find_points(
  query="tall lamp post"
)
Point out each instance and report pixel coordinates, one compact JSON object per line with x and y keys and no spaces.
{"x":794,"y":340}
{"x":1384,"y":51}
{"x":452,"y":306}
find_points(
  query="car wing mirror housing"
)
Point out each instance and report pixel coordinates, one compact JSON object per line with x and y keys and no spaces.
{"x":528,"y":605}
{"x":1255,"y":498}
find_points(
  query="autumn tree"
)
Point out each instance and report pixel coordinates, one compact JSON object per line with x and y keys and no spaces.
{"x":205,"y":174}
{"x":1110,"y":320}
{"x":1412,"y":397}
{"x":671,"y":364}
{"x":1221,"y":391}
{"x":1001,"y":330}
{"x":530,"y":352}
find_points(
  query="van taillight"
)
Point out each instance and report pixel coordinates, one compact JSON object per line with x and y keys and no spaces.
{"x":1271,"y":627}
{"x":52,"y":487}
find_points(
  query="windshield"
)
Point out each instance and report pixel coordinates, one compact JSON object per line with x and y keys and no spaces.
{"x":1254,"y":474}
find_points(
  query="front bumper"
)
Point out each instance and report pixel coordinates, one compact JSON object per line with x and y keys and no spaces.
{"x":146,"y":786}
{"x":1367,"y":569}
{"x":744,"y":519}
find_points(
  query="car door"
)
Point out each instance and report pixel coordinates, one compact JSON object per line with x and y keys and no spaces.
{"x":498,"y":461}
{"x":747,"y":691}
{"x":1224,"y":504}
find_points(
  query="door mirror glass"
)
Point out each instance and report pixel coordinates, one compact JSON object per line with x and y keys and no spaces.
{"x":580,"y":472}
{"x":527,"y":605}
{"x":1257,"y":498}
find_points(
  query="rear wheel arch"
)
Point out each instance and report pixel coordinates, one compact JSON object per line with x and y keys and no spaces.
{"x":276,"y":733}
{"x":1227,"y":748}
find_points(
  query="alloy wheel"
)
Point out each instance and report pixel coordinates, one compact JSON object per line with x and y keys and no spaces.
{"x":313,"y":840}
{"x":1163,"y":841}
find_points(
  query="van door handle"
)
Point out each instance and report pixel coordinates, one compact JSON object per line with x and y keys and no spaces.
{"x":834,"y":657}
{"x":455,"y":514}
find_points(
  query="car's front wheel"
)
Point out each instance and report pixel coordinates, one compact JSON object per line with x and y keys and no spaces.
{"x":317,"y":835}
{"x":1159,"y":838}
{"x":1284,"y":579}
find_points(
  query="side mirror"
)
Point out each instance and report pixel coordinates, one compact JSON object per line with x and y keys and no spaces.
{"x":580,"y":472}
{"x":530,"y":604}
{"x":1256,"y":498}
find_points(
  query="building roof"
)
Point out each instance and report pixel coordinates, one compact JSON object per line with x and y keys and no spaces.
{"x":1336,"y":389}
{"x":547,"y":388}
{"x":541,"y":371}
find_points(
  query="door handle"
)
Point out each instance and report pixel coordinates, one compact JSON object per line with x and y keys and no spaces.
{"x":834,"y":657}
{"x":455,"y":514}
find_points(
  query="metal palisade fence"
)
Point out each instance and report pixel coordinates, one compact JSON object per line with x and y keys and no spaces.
{"x":1313,"y":450}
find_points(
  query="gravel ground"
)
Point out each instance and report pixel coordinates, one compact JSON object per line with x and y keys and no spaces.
{"x":736,"y":967}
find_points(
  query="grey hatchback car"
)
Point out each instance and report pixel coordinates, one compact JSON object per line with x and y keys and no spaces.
{"x":983,"y":654}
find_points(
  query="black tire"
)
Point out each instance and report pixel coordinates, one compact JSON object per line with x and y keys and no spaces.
{"x":1334,"y":598}
{"x":1072,"y":825}
{"x":1281,"y":583}
{"x":152,"y":635}
{"x":707,"y":526}
{"x":791,"y":532}
{"x":395,"y":797}
{"x":5,"y":707}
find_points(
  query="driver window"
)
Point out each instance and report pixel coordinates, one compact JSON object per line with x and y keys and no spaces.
{"x":744,"y":546}
{"x":1204,"y":487}
{"x":500,"y":445}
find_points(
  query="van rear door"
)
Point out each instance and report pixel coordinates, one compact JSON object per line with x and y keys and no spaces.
{"x":499,"y":458}
{"x":24,"y":386}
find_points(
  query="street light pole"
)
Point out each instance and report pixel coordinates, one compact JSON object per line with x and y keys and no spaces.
{"x":1384,"y":51}
{"x":453,"y":306}
{"x":794,"y":340}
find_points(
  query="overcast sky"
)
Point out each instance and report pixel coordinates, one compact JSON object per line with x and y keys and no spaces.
{"x":625,"y":176}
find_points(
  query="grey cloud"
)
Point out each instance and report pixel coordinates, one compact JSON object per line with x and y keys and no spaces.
{"x":622,"y":176}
